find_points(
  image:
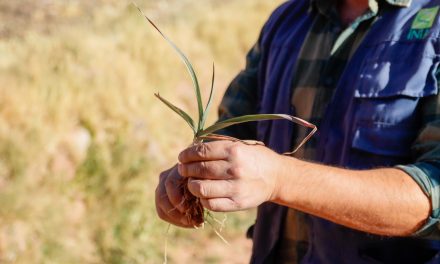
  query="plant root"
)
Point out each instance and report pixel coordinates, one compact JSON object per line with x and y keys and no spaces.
{"x":194,"y":211}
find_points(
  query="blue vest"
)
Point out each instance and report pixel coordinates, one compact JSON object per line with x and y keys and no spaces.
{"x":371,"y":121}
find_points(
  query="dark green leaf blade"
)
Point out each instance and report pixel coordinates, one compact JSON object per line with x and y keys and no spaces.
{"x":179,"y":111}
{"x":261,"y":117}
{"x":188,"y":65}
{"x":208,"y":105}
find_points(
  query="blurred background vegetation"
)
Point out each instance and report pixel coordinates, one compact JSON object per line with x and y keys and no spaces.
{"x":82,"y":138}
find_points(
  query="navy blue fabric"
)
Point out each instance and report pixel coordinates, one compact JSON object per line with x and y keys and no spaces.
{"x":370,"y":122}
{"x":280,"y":43}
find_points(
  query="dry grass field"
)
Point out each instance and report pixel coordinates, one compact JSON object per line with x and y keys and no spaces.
{"x":82,"y":138}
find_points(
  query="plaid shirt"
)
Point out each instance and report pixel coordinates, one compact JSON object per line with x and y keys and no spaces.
{"x":321,"y":62}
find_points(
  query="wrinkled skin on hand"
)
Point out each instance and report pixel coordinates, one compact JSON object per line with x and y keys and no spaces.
{"x":230,"y":176}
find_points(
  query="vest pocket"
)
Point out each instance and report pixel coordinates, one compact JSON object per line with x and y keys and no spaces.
{"x":386,"y":105}
{"x":386,"y":126}
{"x":383,"y":78}
{"x":388,"y":89}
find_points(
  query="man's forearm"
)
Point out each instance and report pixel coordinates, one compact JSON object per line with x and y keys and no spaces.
{"x":230,"y":176}
{"x":380,"y":201}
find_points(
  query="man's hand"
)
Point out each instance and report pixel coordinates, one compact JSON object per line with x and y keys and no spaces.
{"x":230,"y":176}
{"x":169,"y":199}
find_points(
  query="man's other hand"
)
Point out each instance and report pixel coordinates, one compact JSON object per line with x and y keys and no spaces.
{"x":169,"y":199}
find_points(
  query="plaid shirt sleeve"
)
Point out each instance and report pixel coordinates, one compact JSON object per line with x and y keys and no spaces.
{"x":241,"y":98}
{"x":426,"y":169}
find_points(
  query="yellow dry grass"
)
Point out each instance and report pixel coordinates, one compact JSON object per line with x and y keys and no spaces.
{"x":82,"y":137}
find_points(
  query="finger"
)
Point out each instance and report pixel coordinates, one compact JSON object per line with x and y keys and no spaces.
{"x":160,"y":199}
{"x":211,"y":170}
{"x":208,"y":189}
{"x":164,"y":207}
{"x":220,"y":205}
{"x":174,"y":190}
{"x":164,"y":216}
{"x":215,"y":150}
{"x":165,"y":174}
{"x":170,"y":213}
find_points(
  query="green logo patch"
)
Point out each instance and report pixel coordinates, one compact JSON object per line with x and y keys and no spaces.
{"x":422,"y":23}
{"x":425,"y":18}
